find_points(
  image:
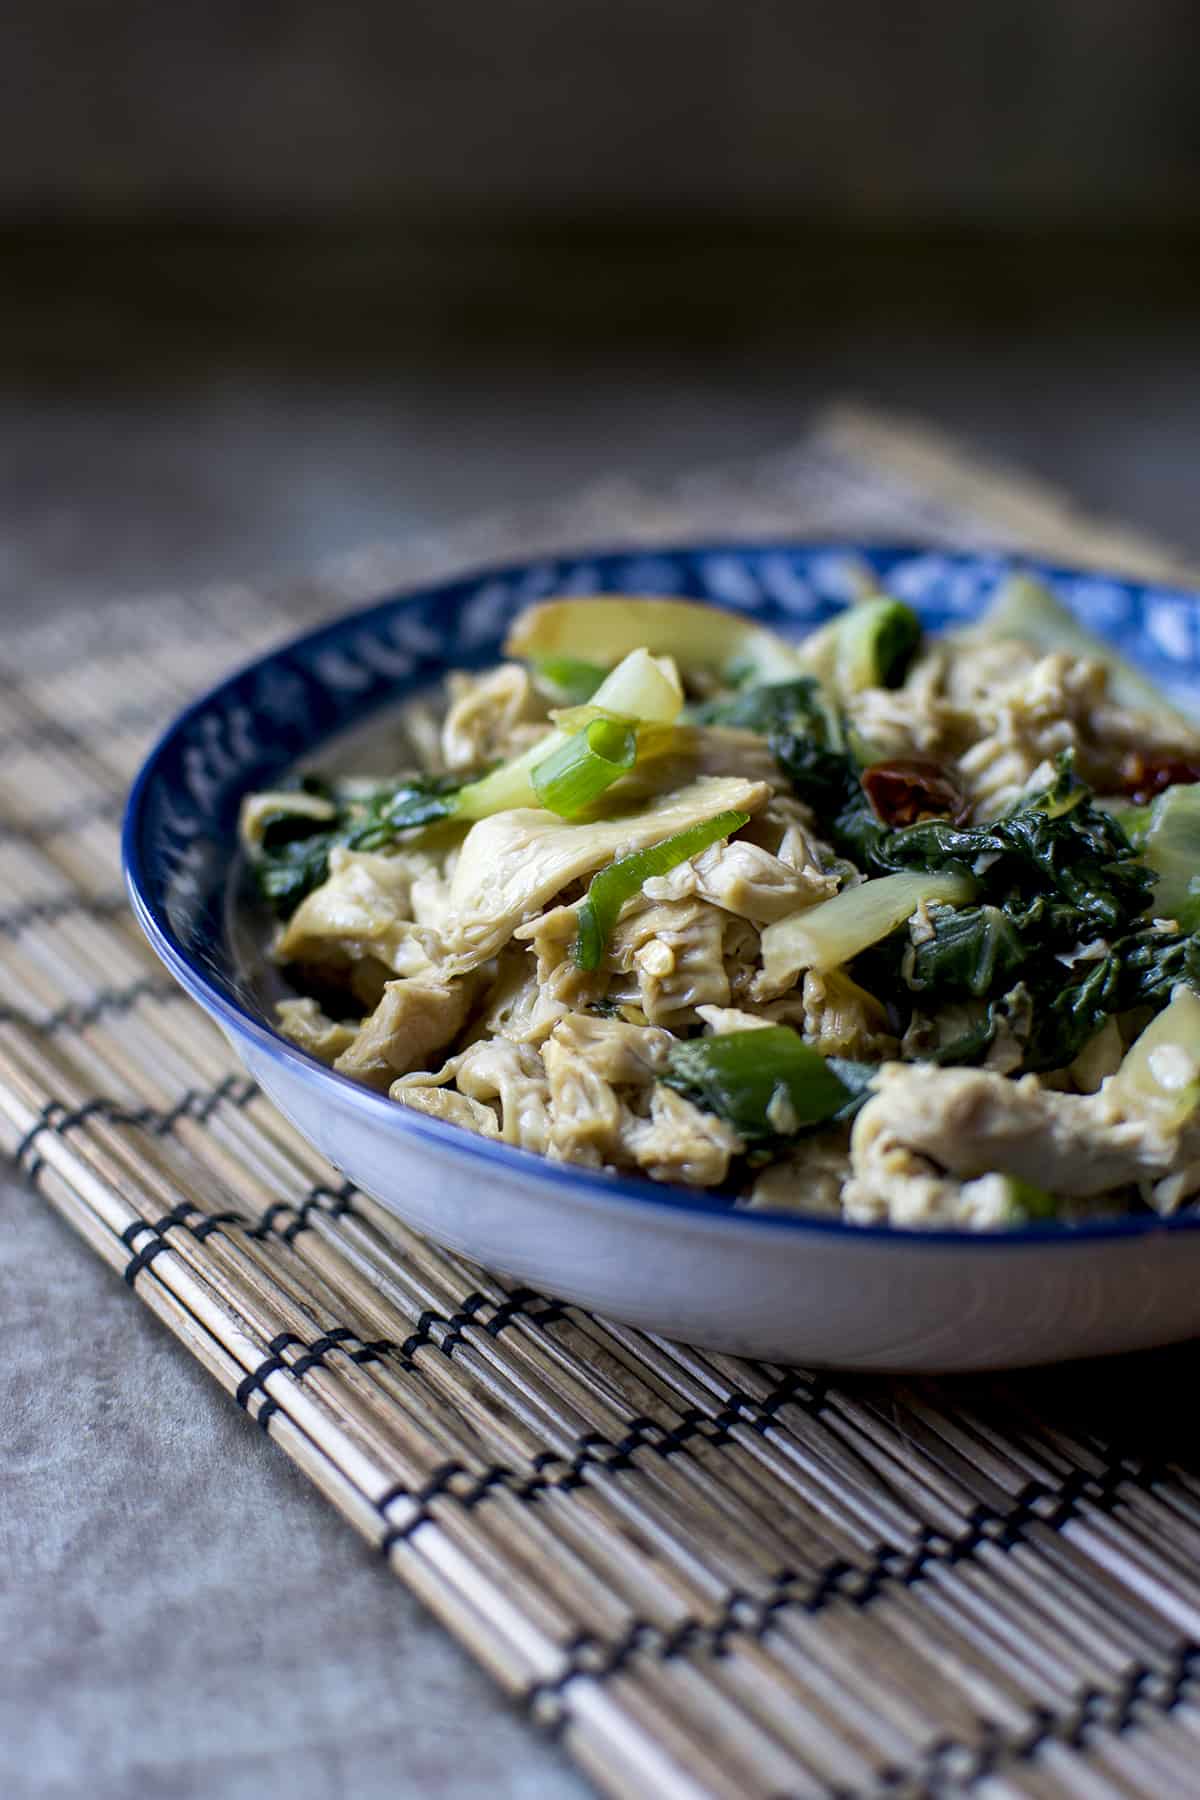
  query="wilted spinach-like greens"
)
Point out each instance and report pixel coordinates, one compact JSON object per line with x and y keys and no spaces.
{"x":1056,"y":874}
{"x":292,"y":855}
{"x":766,"y":706}
{"x":1059,"y":848}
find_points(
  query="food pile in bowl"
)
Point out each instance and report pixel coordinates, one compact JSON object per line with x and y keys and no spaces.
{"x":875,"y":925}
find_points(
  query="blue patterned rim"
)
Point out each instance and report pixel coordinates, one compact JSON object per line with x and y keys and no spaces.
{"x":179,"y":838}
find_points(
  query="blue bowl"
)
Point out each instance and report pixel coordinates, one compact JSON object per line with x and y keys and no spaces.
{"x":777,"y":1285}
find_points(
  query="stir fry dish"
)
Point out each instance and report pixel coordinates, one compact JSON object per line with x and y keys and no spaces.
{"x":876,"y":925}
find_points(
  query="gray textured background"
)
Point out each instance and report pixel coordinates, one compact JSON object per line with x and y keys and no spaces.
{"x":844,"y":109}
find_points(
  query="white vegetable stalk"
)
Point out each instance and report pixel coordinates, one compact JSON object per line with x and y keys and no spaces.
{"x":831,"y":933}
{"x":604,"y":629}
{"x":642,"y":688}
{"x":1162,"y":1067}
{"x":1171,"y":846}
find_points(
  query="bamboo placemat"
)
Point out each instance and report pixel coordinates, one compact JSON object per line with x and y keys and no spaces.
{"x":711,"y":1577}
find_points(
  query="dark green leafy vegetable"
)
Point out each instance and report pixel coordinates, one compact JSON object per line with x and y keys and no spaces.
{"x":974,"y":950}
{"x":1153,"y":963}
{"x":1056,"y":874}
{"x":765,"y":1083}
{"x":826,"y":777}
{"x":857,"y":1077}
{"x":767,"y":707}
{"x":292,"y":855}
{"x":1066,"y":1006}
{"x":816,"y":752}
{"x":1064,"y":1017}
{"x":976,"y":1034}
{"x":809,"y":740}
{"x":1141,"y":969}
{"x":1057,"y":846}
{"x":613,"y":886}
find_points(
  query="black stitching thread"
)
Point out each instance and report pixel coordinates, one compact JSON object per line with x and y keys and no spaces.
{"x":339,"y":1204}
{"x":61,"y":906}
{"x":338,"y":1337}
{"x":69,"y":819}
{"x":515,"y":1308}
{"x":265,"y":1224}
{"x":437,"y":1484}
{"x":1097,"y":1715}
{"x":143,"y":1259}
{"x":589,"y":1657}
{"x":314,"y":1356}
{"x":45,"y":1122}
{"x":45,"y":729}
{"x":78,"y":1016}
{"x":594,"y":1451}
{"x":158,"y":1228}
{"x":212,"y":1222}
{"x":271,"y":1363}
{"x":196,"y":1103}
{"x":740,"y":1611}
{"x":1039,"y":1503}
{"x":453,"y":1325}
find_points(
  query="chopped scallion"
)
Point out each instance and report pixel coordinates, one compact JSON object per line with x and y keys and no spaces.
{"x":577,"y":772}
{"x":765,"y":1083}
{"x":640,"y":688}
{"x":620,"y":881}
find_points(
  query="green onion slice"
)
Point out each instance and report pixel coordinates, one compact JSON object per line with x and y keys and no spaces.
{"x":577,"y":772}
{"x":613,"y":886}
{"x":573,"y":680}
{"x":766,"y":1083}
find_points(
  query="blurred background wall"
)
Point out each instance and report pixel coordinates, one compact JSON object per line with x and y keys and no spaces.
{"x":480,"y":113}
{"x":463,"y":209}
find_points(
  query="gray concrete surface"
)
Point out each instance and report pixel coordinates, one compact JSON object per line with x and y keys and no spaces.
{"x":180,"y":1615}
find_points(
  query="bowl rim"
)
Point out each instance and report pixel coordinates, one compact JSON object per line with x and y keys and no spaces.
{"x":588,"y":1185}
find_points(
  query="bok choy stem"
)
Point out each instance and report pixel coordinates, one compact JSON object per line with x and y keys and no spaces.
{"x":837,"y":930}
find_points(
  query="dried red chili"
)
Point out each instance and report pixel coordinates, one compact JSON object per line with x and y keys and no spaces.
{"x":1145,"y":774}
{"x":907,"y":788}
